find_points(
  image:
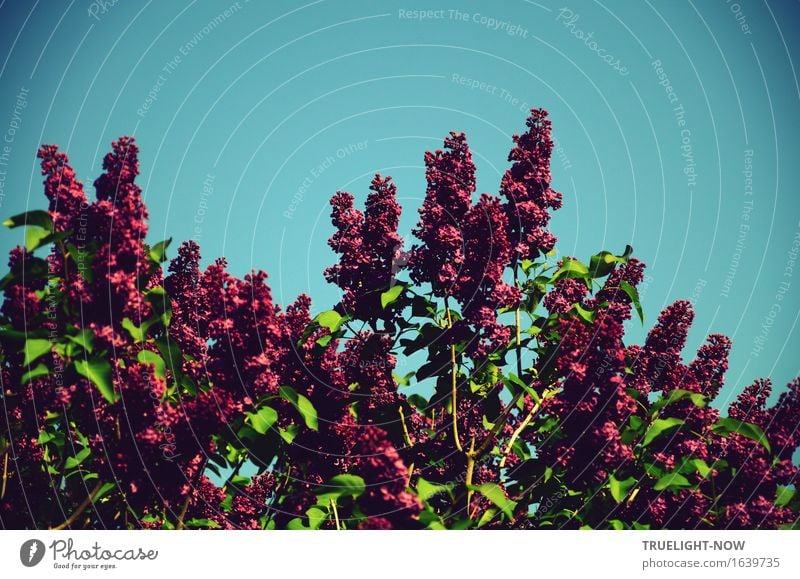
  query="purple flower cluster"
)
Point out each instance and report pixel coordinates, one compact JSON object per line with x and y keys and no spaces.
{"x":137,"y":391}
{"x":526,"y":187}
{"x":370,"y":248}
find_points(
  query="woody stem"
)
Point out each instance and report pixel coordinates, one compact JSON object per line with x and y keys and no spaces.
{"x":335,"y":515}
{"x":470,"y":471}
{"x":5,"y":475}
{"x":517,"y":432}
{"x":184,"y":509}
{"x":82,"y":507}
{"x":454,"y":372}
{"x":518,"y":327}
{"x":519,"y":344}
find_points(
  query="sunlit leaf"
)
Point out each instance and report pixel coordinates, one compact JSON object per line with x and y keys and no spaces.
{"x":659,"y":427}
{"x":302,"y":404}
{"x":98,"y":371}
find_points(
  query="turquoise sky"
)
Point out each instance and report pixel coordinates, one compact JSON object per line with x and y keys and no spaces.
{"x":676,"y":125}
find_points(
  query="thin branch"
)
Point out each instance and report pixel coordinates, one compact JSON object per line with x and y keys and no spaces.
{"x":454,"y":372}
{"x":470,"y":471}
{"x":82,"y":507}
{"x":517,"y":432}
{"x":188,"y":500}
{"x":405,"y":428}
{"x":499,"y":423}
{"x":335,"y":515}
{"x":5,"y":475}
{"x":185,"y":508}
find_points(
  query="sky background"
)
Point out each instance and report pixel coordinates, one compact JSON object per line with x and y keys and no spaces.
{"x":263,"y":110}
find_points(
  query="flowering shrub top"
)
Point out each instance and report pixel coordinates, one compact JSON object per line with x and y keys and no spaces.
{"x":145,"y":393}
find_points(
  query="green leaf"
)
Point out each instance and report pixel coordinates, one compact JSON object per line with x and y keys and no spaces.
{"x":137,"y":333}
{"x":76,"y":460}
{"x":675,"y":395}
{"x":202,"y":524}
{"x":403,"y":380}
{"x":158,"y":253}
{"x":324,"y":340}
{"x":672,"y":480}
{"x":419,"y":402}
{"x":426,"y":489}
{"x":247,"y":433}
{"x":620,"y":488}
{"x":40,"y":370}
{"x":636,"y":422}
{"x":34,"y":236}
{"x":45,"y":437}
{"x":571,"y":268}
{"x":616,"y":524}
{"x":83,"y":258}
{"x":98,"y":371}
{"x":330,"y":319}
{"x":84,"y":338}
{"x":727,"y":426}
{"x":7,"y":332}
{"x":486,"y":518}
{"x":103,"y":490}
{"x":659,"y":427}
{"x":148,"y":357}
{"x":390,"y":296}
{"x":495,"y":494}
{"x":53,"y":238}
{"x":701,"y":467}
{"x":35,"y":348}
{"x":586,"y":315}
{"x":38,"y":218}
{"x":526,"y":265}
{"x":602,"y":264}
{"x":517,"y":381}
{"x":795,"y":526}
{"x":297,"y":524}
{"x":633,"y":293}
{"x":634,"y":430}
{"x":783,"y":496}
{"x":316,"y":517}
{"x":263,"y":419}
{"x":342,"y":485}
{"x":173,"y":357}
{"x":162,"y":306}
{"x":302,"y":404}
{"x":289,"y":433}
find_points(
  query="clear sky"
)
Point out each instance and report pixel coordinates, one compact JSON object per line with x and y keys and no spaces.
{"x":676,"y":124}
